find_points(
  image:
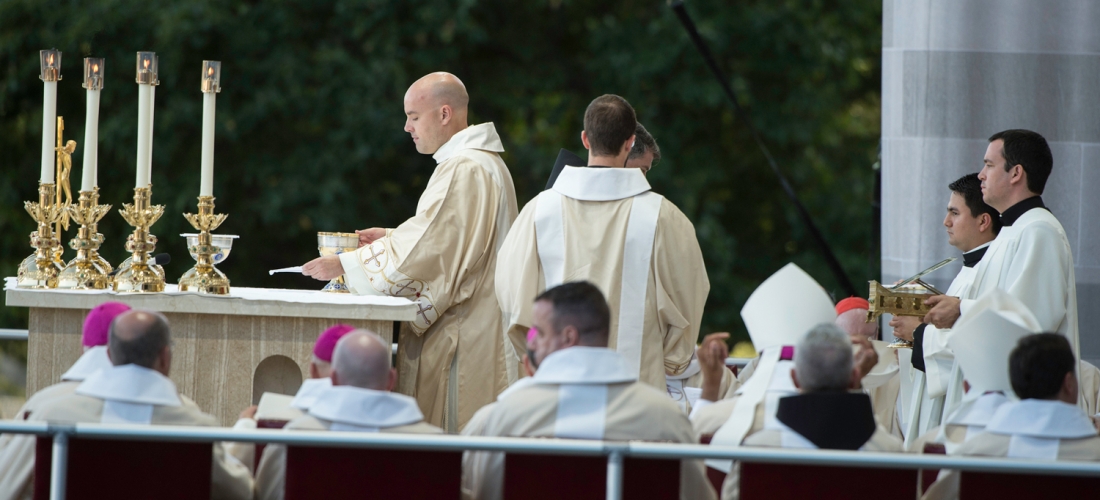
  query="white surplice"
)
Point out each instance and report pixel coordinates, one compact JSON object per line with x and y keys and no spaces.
{"x":605,"y":226}
{"x":1032,"y":261}
{"x":451,"y":357}
{"x":583,"y":393}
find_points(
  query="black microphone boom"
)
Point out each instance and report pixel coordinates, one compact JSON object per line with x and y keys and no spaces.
{"x":826,"y":250}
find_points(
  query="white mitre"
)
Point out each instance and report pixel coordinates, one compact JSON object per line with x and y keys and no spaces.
{"x":784,"y":307}
{"x":983,"y":338}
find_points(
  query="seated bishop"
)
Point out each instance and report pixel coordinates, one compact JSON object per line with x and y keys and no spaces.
{"x":1045,"y":424}
{"x":276,"y":410}
{"x":602,"y":223}
{"x":94,"y":340}
{"x":825,"y":414}
{"x":135,"y":390}
{"x":981,"y":342}
{"x":360,"y":400}
{"x":577,"y":377}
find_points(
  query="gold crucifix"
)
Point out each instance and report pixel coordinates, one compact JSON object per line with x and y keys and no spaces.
{"x":64,"y":168}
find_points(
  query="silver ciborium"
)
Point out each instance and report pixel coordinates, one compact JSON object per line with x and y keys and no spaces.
{"x":336,"y":244}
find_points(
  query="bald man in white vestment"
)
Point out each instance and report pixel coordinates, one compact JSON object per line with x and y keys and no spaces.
{"x":603,"y":224}
{"x":135,"y":390}
{"x":882,"y":383}
{"x":1046,"y":424}
{"x":451,"y":357}
{"x":579,"y":380}
{"x":1031,"y":258}
{"x":358,"y":401}
{"x":824,"y":414}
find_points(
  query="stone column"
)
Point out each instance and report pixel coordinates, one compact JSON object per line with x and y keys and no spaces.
{"x":956,"y":71}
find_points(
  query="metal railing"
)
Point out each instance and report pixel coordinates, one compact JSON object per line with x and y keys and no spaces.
{"x":9,"y":334}
{"x":615,"y":451}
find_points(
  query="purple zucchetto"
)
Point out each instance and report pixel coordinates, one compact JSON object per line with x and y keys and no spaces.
{"x":326,"y":343}
{"x":97,"y":325}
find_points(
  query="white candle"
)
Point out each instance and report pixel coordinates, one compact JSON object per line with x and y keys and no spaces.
{"x":93,"y":81}
{"x":49,"y":131}
{"x":50,"y":65}
{"x":144,"y":103}
{"x":206,"y":186}
{"x":210,"y":86}
{"x":146,"y":80}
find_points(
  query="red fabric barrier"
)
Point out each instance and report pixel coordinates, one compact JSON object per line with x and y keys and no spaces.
{"x":981,"y":485}
{"x":101,"y":468}
{"x":264,"y":423}
{"x":798,"y":482}
{"x":928,"y":476}
{"x":316,"y":472}
{"x":539,"y":477}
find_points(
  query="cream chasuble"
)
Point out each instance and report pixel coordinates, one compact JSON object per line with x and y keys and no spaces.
{"x":345,"y":409}
{"x":451,"y":358}
{"x":1029,"y":429}
{"x":603,"y":225}
{"x":122,"y":394}
{"x":583,"y":393}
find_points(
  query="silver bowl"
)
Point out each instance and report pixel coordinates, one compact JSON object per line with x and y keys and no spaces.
{"x":224,"y":242}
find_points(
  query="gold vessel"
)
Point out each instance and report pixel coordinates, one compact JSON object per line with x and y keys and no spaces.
{"x":335,"y":244}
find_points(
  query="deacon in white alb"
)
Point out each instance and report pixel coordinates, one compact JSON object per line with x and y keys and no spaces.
{"x":135,"y":390}
{"x":982,"y":340}
{"x":825,"y":413}
{"x":358,"y":401}
{"x":1046,"y":424}
{"x":451,"y":357}
{"x":603,"y":224}
{"x":582,"y":390}
{"x":1031,"y":258}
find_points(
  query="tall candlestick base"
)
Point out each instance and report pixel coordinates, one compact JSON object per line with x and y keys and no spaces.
{"x":40,"y":269}
{"x":88,"y":270}
{"x":204,"y":277}
{"x":140,"y":276}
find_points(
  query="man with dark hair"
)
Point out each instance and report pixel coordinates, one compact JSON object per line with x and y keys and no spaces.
{"x":582,"y":390}
{"x":1031,"y":258}
{"x":971,"y":227}
{"x":645,"y":154}
{"x":136,"y":390}
{"x":1045,"y":424}
{"x":603,"y":224}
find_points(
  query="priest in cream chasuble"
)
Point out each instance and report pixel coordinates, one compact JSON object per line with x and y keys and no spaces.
{"x":450,"y":358}
{"x":602,"y":224}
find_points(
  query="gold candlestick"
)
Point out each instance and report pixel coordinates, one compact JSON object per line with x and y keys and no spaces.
{"x":204,"y":277}
{"x":88,"y":270}
{"x":40,"y":269}
{"x":140,"y":276}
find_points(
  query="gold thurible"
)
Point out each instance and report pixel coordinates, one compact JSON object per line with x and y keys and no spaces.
{"x":88,"y":270}
{"x":139,"y":274}
{"x":204,"y":277}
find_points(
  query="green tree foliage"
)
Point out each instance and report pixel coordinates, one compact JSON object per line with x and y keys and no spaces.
{"x":309,"y":121}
